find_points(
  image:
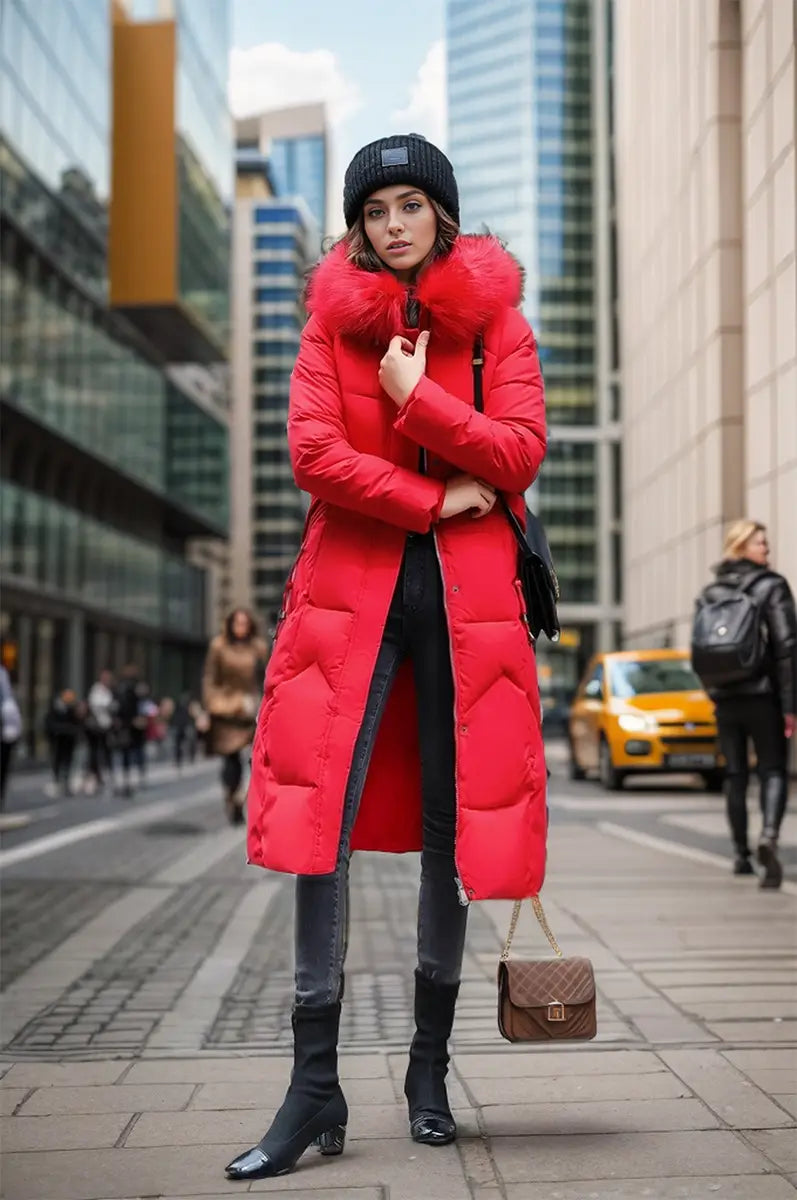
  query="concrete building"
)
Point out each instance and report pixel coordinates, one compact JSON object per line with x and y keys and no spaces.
{"x":706,"y":118}
{"x":530,"y":140}
{"x":275,"y":240}
{"x":296,"y":143}
{"x":110,"y":467}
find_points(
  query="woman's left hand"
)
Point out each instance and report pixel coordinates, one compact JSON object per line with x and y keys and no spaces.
{"x":403,"y":366}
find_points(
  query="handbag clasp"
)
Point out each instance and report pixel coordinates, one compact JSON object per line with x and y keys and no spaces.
{"x":556,"y":1011}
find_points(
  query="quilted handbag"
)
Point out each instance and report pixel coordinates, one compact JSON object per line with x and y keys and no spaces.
{"x":534,"y":563}
{"x":545,"y":1000}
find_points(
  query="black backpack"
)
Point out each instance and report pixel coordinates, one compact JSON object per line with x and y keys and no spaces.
{"x":728,"y":634}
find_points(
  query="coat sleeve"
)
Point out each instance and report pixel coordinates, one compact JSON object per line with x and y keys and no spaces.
{"x":781,"y":620}
{"x":326,"y":465}
{"x":505,"y":445}
{"x":212,"y":696}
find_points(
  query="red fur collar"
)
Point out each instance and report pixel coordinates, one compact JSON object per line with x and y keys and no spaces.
{"x":461,"y":293}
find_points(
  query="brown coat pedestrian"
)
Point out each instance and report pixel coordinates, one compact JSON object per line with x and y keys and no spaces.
{"x":230,"y":689}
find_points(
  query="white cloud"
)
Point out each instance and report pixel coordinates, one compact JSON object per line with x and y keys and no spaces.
{"x":427,"y":110}
{"x":273,"y":76}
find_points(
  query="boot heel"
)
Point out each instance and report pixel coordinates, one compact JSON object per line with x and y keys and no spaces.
{"x":332,"y":1142}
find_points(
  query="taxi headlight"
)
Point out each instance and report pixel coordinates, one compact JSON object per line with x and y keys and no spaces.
{"x":636,"y":723}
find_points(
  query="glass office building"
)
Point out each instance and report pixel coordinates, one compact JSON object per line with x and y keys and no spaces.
{"x":284,"y":241}
{"x":529,"y":145}
{"x":205,"y":161}
{"x":298,"y":167}
{"x":104,"y":464}
{"x":295,"y":143}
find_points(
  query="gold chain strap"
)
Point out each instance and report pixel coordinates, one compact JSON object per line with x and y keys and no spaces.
{"x":539,"y":913}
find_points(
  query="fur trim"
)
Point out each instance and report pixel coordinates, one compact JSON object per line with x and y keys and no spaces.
{"x":460,"y":294}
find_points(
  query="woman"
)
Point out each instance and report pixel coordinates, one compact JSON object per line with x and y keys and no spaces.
{"x":762,"y":707}
{"x":63,"y":726}
{"x":100,"y":709}
{"x":233,"y":671}
{"x":401,"y":709}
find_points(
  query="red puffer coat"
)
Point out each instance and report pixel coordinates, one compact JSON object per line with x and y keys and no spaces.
{"x":357,"y":455}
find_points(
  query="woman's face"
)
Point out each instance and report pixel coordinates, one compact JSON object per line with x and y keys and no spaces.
{"x":401,"y":225}
{"x":757,"y":548}
{"x":240,"y":625}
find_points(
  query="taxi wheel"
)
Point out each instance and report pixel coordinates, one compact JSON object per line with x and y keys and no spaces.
{"x":715,"y":781}
{"x":609,"y":776}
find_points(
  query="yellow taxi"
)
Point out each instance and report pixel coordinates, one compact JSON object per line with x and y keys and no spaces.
{"x":640,"y":712}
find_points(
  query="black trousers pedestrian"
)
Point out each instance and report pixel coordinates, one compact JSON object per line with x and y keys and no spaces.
{"x":99,"y":755}
{"x":416,"y":628}
{"x":184,"y":740}
{"x":6,"y":752}
{"x":63,"y":752}
{"x":232,"y":769}
{"x":759,"y":719}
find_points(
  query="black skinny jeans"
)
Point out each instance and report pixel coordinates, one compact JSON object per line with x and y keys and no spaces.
{"x":416,"y":628}
{"x":63,"y":753}
{"x":759,"y":718}
{"x":99,"y":755}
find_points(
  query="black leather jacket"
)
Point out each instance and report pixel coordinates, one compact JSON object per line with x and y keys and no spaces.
{"x":773,"y":593}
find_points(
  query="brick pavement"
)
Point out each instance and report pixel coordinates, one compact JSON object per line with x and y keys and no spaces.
{"x":690,"y":1090}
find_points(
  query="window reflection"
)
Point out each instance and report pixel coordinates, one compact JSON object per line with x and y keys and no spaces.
{"x":46,"y":543}
{"x":66,"y":369}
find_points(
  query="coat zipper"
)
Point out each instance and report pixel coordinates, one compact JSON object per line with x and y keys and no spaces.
{"x":462,"y":893}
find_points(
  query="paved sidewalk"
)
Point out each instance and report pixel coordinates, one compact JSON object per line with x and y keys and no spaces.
{"x":690,"y":1090}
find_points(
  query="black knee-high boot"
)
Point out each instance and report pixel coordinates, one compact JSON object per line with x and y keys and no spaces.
{"x":431,"y":1122}
{"x":774,"y":794}
{"x":736,"y":807}
{"x":314,"y":1110}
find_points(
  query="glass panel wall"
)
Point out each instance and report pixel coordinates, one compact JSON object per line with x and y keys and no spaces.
{"x":46,"y":544}
{"x":197,"y":459}
{"x":205,"y":161}
{"x":55,"y":104}
{"x":66,"y":369}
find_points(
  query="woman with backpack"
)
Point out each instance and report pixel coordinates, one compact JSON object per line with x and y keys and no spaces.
{"x":401,"y":708}
{"x":745,"y":650}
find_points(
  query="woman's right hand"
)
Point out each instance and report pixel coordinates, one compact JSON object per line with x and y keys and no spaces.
{"x":464,"y":493}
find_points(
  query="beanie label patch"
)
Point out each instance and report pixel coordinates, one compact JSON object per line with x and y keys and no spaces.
{"x":396,"y":156}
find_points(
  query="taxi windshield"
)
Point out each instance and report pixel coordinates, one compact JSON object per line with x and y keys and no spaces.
{"x":630,"y":677}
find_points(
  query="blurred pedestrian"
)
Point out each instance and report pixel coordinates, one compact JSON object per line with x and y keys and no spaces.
{"x":63,"y":727}
{"x":183,"y":731}
{"x":130,"y":731}
{"x":745,"y":650}
{"x":401,"y":707}
{"x":145,"y":725}
{"x":231,"y":682}
{"x":10,"y":730}
{"x":100,"y":708}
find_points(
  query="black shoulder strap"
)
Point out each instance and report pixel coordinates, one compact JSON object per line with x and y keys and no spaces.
{"x":478,"y":403}
{"x":478,"y":367}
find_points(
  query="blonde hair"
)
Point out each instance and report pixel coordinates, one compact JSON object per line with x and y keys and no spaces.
{"x":738,"y":535}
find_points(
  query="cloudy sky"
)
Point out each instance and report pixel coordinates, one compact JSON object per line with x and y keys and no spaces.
{"x":380,"y":68}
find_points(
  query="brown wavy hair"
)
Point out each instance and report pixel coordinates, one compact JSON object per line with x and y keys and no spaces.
{"x":230,"y":618}
{"x":360,"y":251}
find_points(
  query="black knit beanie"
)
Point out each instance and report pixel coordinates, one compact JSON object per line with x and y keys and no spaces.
{"x":407,"y":158}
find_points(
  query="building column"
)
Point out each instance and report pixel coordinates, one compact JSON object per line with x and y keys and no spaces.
{"x":601,"y":189}
{"x":76,"y":653}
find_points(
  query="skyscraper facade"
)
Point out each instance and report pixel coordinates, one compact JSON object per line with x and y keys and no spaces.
{"x":530,"y":141}
{"x":296,"y":142}
{"x":275,"y":242}
{"x":103,"y":485}
{"x":706,"y":160}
